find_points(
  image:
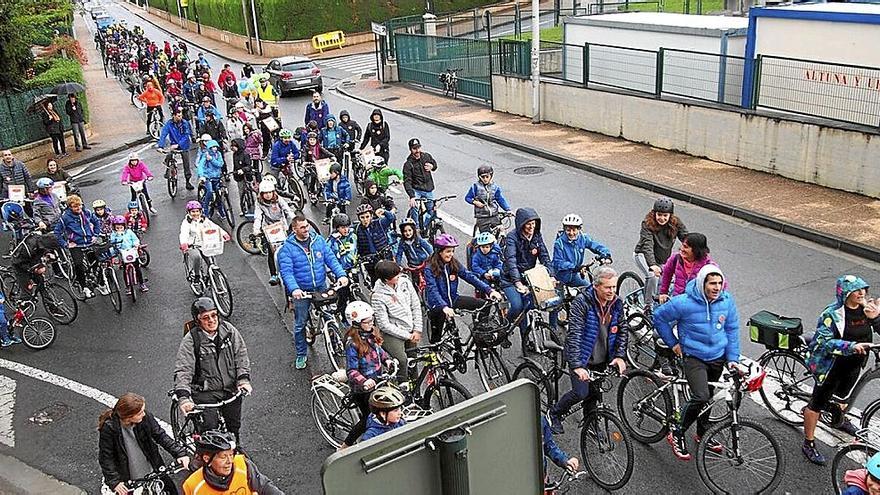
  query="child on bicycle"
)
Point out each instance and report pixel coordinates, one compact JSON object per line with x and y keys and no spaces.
{"x":124,"y":238}
{"x":135,"y":219}
{"x":271,"y":208}
{"x":387,"y":413}
{"x":364,"y":360}
{"x":192,"y":230}
{"x":865,"y":481}
{"x":337,"y":189}
{"x":568,"y":252}
{"x":103,"y":214}
{"x":415,"y":249}
{"x":376,"y":198}
{"x":372,"y":235}
{"x":487,"y":198}
{"x":6,"y":339}
{"x":381,"y":174}
{"x":487,"y":259}
{"x":137,"y":171}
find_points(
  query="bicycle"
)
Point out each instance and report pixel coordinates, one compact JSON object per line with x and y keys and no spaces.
{"x":155,"y":124}
{"x":561,"y":485}
{"x":99,"y":273}
{"x":251,"y":243}
{"x":489,"y":330}
{"x":186,"y":427}
{"x":449,"y":80}
{"x":432,"y":226}
{"x":336,"y":207}
{"x":210,"y":279}
{"x":126,"y":259}
{"x":747,"y":456}
{"x":171,"y":168}
{"x":312,"y":182}
{"x":289,"y":186}
{"x":349,"y":156}
{"x":36,"y":333}
{"x":323,"y":321}
{"x":505,"y":221}
{"x":854,"y":456}
{"x":138,"y":188}
{"x":153,"y":483}
{"x":219,"y":202}
{"x":58,"y":302}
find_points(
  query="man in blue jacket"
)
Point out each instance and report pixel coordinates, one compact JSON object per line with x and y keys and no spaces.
{"x":597,"y":337}
{"x":708,"y":338}
{"x":179,"y":135}
{"x":76,"y":229}
{"x":282,"y":150}
{"x":318,"y":110}
{"x":303,"y":261}
{"x":568,"y":252}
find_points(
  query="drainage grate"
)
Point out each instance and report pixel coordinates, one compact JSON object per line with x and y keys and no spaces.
{"x":483,"y":123}
{"x":368,"y":75}
{"x":529,"y":170}
{"x":384,"y":86}
{"x":455,"y":133}
{"x":50,"y":414}
{"x":391,"y":98}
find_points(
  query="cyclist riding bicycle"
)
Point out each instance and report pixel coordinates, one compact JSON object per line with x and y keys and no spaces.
{"x":412,"y":247}
{"x":317,"y":110}
{"x":351,"y":127}
{"x":864,"y":481}
{"x":209,"y":169}
{"x":77,"y":229}
{"x":660,"y":228}
{"x":103,"y":213}
{"x":418,"y":179}
{"x":192,"y":230}
{"x":386,"y":411}
{"x":838,"y":352}
{"x":242,"y":171}
{"x":372,"y":236}
{"x":334,"y":138}
{"x":568,"y":252}
{"x":487,"y":198}
{"x":154,"y":99}
{"x":124,"y":238}
{"x":487,"y":259}
{"x":552,"y":450}
{"x":223,"y":471}
{"x":135,"y":219}
{"x":179,"y":135}
{"x":137,"y":171}
{"x":212,"y":365}
{"x":283,"y":150}
{"x":336,"y":189}
{"x":376,"y":198}
{"x":47,"y":205}
{"x":398,"y":313}
{"x":683,"y":266}
{"x":381,"y":175}
{"x":271,"y":208}
{"x":343,"y":243}
{"x":377,"y":134}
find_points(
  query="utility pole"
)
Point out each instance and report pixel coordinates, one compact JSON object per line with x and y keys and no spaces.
{"x":536,"y":68}
{"x":256,"y":30}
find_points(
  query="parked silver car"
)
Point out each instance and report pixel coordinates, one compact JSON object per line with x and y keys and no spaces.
{"x":294,"y":73}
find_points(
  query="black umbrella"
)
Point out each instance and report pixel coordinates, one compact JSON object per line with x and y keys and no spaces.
{"x":40,"y":101}
{"x":68,"y":88}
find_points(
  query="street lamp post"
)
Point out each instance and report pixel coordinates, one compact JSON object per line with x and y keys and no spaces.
{"x":536,"y":69}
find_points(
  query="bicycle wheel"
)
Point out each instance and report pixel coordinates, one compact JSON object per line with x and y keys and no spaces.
{"x":333,"y":345}
{"x":606,"y":449}
{"x":640,"y":350}
{"x":171,"y":182}
{"x":533,"y":372}
{"x":37,"y":333}
{"x":444,"y":393}
{"x":630,"y":288}
{"x":332,"y":418}
{"x":144,"y":257}
{"x":155,"y":126}
{"x":644,"y":408}
{"x":870,"y":418}
{"x":131,"y":282}
{"x":64,"y":266}
{"x":298,"y":197}
{"x":299,"y":169}
{"x":750,"y":459}
{"x":243,"y":237}
{"x":851,"y":457}
{"x":113,"y":284}
{"x":360,"y":175}
{"x":221,"y":293}
{"x":182,"y":429}
{"x":145,"y":209}
{"x":491,"y":369}
{"x":227,"y":209}
{"x":788,"y":385}
{"x":60,"y":304}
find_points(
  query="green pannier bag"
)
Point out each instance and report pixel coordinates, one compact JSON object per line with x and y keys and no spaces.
{"x":774,"y":331}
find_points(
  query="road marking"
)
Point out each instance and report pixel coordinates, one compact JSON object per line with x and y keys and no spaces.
{"x":66,"y":383}
{"x":102,"y":167}
{"x":452,"y":220}
{"x":7,"y":409}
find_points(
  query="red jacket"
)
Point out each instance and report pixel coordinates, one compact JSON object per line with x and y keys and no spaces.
{"x":224,"y":75}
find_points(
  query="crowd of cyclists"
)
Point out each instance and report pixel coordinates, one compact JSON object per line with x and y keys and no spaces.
{"x":413,"y":275}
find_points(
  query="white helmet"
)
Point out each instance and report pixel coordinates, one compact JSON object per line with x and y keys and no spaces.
{"x":133,"y":156}
{"x":358,"y":311}
{"x":205,"y":138}
{"x":267,"y":186}
{"x":270,"y":179}
{"x":572,"y":220}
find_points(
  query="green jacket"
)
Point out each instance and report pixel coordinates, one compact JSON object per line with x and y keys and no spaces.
{"x":381,"y":176}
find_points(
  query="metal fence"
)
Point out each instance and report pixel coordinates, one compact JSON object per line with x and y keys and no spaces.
{"x":17,"y":126}
{"x":702,"y":76}
{"x":621,"y":67}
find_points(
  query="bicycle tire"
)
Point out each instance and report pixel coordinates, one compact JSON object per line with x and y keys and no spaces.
{"x":332,"y":421}
{"x":607,"y":431}
{"x":333,"y":347}
{"x":76,"y":289}
{"x":144,"y":257}
{"x":444,"y":393}
{"x":299,"y":169}
{"x":66,"y":308}
{"x":172,"y":180}
{"x":145,"y":208}
{"x":37,"y":333}
{"x":491,"y":369}
{"x":870,"y":418}
{"x":538,"y":376}
{"x":131,"y":282}
{"x":64,"y":264}
{"x":221,"y":293}
{"x":788,"y":377}
{"x":243,"y":238}
{"x":227,"y":209}
{"x":298,"y":197}
{"x":640,"y":351}
{"x":852,"y":456}
{"x":113,"y":284}
{"x":722,"y":433}
{"x":155,"y":127}
{"x":646,"y":420}
{"x":182,"y":429}
{"x":624,"y":291}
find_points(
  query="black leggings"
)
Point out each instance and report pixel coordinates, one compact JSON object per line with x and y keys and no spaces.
{"x":58,"y":143}
{"x":699,"y":374}
{"x":231,"y":412}
{"x":362,"y":400}
{"x":438,"y":318}
{"x":273,"y":270}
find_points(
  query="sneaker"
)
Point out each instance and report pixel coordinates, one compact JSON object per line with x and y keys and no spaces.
{"x":128,"y":291}
{"x":848,"y":428}
{"x":5,"y":342}
{"x":713,"y":444}
{"x":679,"y":445}
{"x":555,"y":421}
{"x":812,"y":453}
{"x":144,"y":288}
{"x":87,"y":293}
{"x":189,"y":186}
{"x":273,"y":280}
{"x":301,"y":362}
{"x":14,"y":339}
{"x":104,"y":290}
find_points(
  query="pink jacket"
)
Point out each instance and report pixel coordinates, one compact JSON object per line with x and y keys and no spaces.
{"x":674,"y":268}
{"x":135,"y":174}
{"x":253,"y":144}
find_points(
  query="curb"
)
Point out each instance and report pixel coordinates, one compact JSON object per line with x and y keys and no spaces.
{"x":821,"y":238}
{"x":108,"y":152}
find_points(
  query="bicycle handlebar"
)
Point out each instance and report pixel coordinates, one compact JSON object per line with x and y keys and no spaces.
{"x":172,"y":467}
{"x":198,"y":408}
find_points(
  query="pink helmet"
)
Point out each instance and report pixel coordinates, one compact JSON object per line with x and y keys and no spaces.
{"x":193,"y":205}
{"x":117,"y":220}
{"x":445,"y":241}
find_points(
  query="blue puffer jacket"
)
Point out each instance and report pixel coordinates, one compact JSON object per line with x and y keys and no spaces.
{"x":482,"y":263}
{"x":278,"y":157}
{"x":568,"y":254}
{"x":583,"y":328}
{"x":416,"y":251}
{"x":307,"y":271}
{"x":706,"y":331}
{"x":339,"y":189}
{"x":345,"y":248}
{"x":442,"y":290}
{"x":80,"y":229}
{"x":334,"y":137}
{"x":521,"y":254}
{"x":210,"y":163}
{"x":376,"y":427}
{"x":374,"y":238}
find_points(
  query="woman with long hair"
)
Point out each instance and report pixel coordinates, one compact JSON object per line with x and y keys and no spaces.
{"x":660,"y":228}
{"x":684,"y":266}
{"x":55,"y":129}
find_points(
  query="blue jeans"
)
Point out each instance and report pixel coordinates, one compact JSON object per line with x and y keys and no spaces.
{"x":211,"y":185}
{"x":4,"y":327}
{"x":413,"y":212}
{"x":300,"y":317}
{"x":518,"y":303}
{"x":586,"y":392}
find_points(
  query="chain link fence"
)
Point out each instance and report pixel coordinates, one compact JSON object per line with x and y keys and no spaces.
{"x":17,"y":125}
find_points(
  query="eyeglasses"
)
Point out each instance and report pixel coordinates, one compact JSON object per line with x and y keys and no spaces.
{"x":208,"y":316}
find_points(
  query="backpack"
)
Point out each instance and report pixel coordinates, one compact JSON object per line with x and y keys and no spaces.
{"x":197,"y":379}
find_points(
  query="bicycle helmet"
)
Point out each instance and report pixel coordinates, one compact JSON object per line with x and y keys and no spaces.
{"x":12,"y":212}
{"x":336,"y":168}
{"x":485,"y":169}
{"x":193,"y":205}
{"x":266,"y":186}
{"x":133,"y":156}
{"x":358,"y":311}
{"x":45,"y":183}
{"x":485,"y":238}
{"x":341,"y":220}
{"x":99,"y":203}
{"x":445,"y":241}
{"x":205,"y":138}
{"x":386,"y":397}
{"x":202,"y":305}
{"x":572,"y":220}
{"x":133,"y":205}
{"x":270,"y":179}
{"x":285,"y":134}
{"x":664,"y":205}
{"x":311,"y":135}
{"x":117,"y":220}
{"x":364,"y":208}
{"x":407,"y":222}
{"x":213,"y":441}
{"x":873,"y":466}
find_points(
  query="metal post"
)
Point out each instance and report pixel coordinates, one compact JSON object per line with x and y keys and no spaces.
{"x":247,"y":28}
{"x":556,"y":7}
{"x":517,"y":21}
{"x":536,"y":68}
{"x":757,"y":81}
{"x":489,"y":40}
{"x":179,"y":17}
{"x":256,"y":29}
{"x":586,"y":62}
{"x":476,"y":25}
{"x":658,"y":82}
{"x":452,"y":446}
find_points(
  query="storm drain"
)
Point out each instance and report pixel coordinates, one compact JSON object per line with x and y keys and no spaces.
{"x":384,"y":86}
{"x":529,"y":170}
{"x":391,"y":98}
{"x":483,"y":123}
{"x":456,"y":133}
{"x":368,"y":75}
{"x":49,"y":414}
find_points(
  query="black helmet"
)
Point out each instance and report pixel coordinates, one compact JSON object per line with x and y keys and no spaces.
{"x":312,"y":135}
{"x":336,"y":168}
{"x":485,"y":169}
{"x":663,"y":205}
{"x":202,"y":305}
{"x":213,"y":441}
{"x":341,"y":220}
{"x":364,"y":208}
{"x":407,"y":221}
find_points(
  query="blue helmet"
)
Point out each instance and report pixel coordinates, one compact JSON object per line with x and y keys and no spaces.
{"x":485,"y":238}
{"x":133,"y":205}
{"x":873,"y":466}
{"x":12,"y":212}
{"x":44,"y":183}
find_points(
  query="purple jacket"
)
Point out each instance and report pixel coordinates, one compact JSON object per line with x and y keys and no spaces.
{"x":674,"y":269}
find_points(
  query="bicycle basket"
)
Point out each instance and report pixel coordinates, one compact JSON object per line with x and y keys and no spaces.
{"x":774,"y":331}
{"x":490,"y":331}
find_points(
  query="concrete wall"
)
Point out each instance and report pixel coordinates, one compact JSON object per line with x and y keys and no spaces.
{"x":832,"y":157}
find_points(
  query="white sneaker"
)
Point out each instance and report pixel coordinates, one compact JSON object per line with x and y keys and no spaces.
{"x":88,"y":293}
{"x":104,"y":290}
{"x":153,"y":210}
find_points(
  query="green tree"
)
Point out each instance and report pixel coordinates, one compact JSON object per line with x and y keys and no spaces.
{"x":15,"y":36}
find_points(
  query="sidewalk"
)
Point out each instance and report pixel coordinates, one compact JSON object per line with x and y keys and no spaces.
{"x":841,"y":220}
{"x":17,"y":478}
{"x":230,"y":52}
{"x":115,"y":123}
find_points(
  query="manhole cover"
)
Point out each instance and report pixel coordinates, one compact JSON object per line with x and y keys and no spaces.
{"x":529,"y":170}
{"x":384,"y":86}
{"x":49,"y":414}
{"x":368,"y":75}
{"x":484,"y":123}
{"x":391,"y":98}
{"x":89,"y":182}
{"x":456,"y":133}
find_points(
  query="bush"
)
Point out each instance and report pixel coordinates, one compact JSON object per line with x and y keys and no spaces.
{"x":57,"y":70}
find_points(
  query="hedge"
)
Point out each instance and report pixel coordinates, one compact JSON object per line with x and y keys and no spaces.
{"x":301,"y":19}
{"x":57,"y":70}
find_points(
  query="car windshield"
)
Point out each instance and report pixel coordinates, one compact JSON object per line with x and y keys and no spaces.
{"x":292,"y":66}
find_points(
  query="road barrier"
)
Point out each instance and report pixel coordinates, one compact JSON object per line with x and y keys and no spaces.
{"x":324,"y":41}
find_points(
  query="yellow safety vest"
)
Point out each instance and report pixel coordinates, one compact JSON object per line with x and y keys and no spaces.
{"x":196,"y":484}
{"x":266,"y":94}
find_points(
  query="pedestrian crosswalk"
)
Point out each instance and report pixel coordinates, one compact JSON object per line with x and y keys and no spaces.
{"x":355,"y":64}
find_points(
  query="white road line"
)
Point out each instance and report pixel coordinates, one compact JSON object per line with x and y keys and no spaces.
{"x":7,"y":411}
{"x":66,"y":383}
{"x":102,"y":167}
{"x":451,"y":220}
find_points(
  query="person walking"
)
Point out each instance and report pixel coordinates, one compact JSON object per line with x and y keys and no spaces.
{"x":55,"y":129}
{"x":77,"y":122}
